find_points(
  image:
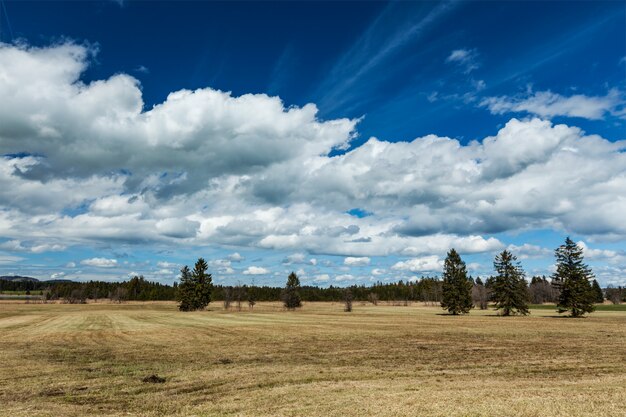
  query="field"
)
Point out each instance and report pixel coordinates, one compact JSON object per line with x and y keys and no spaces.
{"x":77,"y":360}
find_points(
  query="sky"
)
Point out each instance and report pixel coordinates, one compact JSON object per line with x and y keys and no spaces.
{"x":351,"y":142}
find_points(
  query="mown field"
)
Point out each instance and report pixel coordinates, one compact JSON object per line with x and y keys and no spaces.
{"x":78,"y":360}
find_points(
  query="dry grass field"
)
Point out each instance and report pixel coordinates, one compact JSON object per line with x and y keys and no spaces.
{"x":79,"y":360}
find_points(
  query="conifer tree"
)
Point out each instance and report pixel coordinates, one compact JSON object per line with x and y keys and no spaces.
{"x":204,"y":284}
{"x":194,"y":291}
{"x":186,"y":289}
{"x":573,"y":277}
{"x":598,"y":294}
{"x":509,"y":288}
{"x":290,"y":295}
{"x":456,"y":287}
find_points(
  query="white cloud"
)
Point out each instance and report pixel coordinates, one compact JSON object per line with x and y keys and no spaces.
{"x":549,"y":104}
{"x":424,"y":264}
{"x":528,"y":251}
{"x":607,"y":255}
{"x":18,"y":246}
{"x":207,"y":168}
{"x":294,"y":258}
{"x":70,"y":265}
{"x":220,"y":262}
{"x":99,"y":262}
{"x":166,"y":264}
{"x":378,"y":271}
{"x":235,"y":257}
{"x":256,"y":270}
{"x":9,"y":259}
{"x":13,"y":246}
{"x":345,"y":277}
{"x":322,"y":278}
{"x":466,"y":58}
{"x":57,"y":275}
{"x":47,"y":247}
{"x":356,"y":261}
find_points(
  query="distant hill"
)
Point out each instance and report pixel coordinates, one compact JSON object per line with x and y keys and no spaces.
{"x":18,"y":278}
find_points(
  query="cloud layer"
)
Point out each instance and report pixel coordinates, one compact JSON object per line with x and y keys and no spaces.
{"x":85,"y":163}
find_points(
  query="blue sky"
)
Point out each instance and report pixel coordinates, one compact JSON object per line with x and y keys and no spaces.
{"x":141,"y":135}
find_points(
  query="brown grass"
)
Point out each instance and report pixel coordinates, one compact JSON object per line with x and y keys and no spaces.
{"x":77,"y":360}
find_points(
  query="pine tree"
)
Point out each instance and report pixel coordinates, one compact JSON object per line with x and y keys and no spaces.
{"x":194,"y":291}
{"x":456,"y":288}
{"x":290,"y":295}
{"x":598,"y":294}
{"x":509,"y":288}
{"x":573,"y":277}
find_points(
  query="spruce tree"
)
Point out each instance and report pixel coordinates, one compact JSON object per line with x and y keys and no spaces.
{"x":573,"y":277}
{"x":509,"y":288}
{"x":194,"y":291}
{"x":456,"y":287}
{"x":598,"y":294}
{"x":204,"y":284}
{"x":290,"y":295}
{"x":186,"y":289}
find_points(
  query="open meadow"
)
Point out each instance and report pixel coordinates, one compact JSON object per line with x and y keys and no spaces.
{"x":78,"y":360}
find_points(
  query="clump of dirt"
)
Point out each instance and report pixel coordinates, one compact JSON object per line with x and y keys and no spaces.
{"x":153,"y":379}
{"x":225,"y":361}
{"x":53,"y":392}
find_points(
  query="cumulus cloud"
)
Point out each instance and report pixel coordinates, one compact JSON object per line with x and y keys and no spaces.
{"x":321,"y":278}
{"x":256,"y":270}
{"x":356,"y":261}
{"x":528,"y":251}
{"x":99,"y":262}
{"x":235,"y":257}
{"x":423,"y":264}
{"x":549,"y":104}
{"x":345,"y":277}
{"x":607,"y":255}
{"x":86,"y":164}
{"x":178,"y":146}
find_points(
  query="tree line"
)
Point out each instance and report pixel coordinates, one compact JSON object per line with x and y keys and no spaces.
{"x":571,"y":287}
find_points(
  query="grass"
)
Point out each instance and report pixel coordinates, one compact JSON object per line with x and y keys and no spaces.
{"x":76,"y":360}
{"x":599,"y":307}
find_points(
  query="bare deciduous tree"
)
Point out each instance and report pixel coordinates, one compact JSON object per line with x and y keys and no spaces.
{"x":347,"y":299}
{"x":228,"y":298}
{"x":373,"y":298}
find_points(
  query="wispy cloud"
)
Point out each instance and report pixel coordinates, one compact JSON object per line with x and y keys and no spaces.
{"x":378,"y":43}
{"x":548,"y":104}
{"x":467,"y":59}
